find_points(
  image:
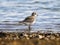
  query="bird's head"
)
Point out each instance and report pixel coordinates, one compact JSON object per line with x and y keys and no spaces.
{"x":34,"y":14}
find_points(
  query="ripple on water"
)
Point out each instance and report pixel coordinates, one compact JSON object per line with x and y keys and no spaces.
{"x":16,"y":10}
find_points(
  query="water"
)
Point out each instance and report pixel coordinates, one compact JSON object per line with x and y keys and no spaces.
{"x":16,"y":10}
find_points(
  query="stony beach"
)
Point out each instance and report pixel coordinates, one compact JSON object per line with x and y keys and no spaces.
{"x":25,"y":38}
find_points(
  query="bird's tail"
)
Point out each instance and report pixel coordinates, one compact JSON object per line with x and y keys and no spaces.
{"x":21,"y":22}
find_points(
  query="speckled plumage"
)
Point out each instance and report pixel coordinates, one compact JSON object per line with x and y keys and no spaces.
{"x":30,"y":19}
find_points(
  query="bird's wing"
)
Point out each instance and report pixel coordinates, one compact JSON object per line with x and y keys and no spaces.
{"x":29,"y":19}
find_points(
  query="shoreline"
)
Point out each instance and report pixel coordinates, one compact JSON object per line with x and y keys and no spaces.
{"x":24,"y":38}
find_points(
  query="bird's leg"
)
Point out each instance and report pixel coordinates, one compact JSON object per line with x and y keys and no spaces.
{"x":29,"y":28}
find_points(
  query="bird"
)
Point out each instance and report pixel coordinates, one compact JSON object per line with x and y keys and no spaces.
{"x":30,"y":20}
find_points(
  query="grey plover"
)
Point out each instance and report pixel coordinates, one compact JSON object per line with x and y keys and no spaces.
{"x":29,"y":20}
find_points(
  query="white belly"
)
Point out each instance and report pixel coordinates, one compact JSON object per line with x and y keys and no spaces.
{"x":33,"y":22}
{"x":27,"y":23}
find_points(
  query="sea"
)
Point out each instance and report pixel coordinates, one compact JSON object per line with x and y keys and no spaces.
{"x":13,"y":11}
